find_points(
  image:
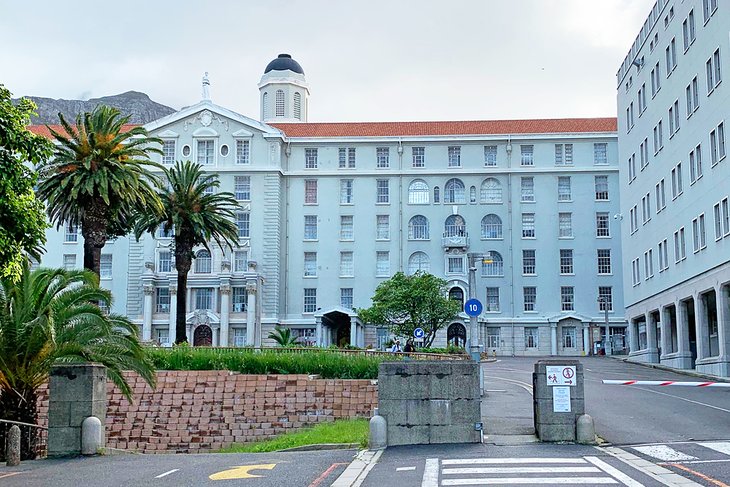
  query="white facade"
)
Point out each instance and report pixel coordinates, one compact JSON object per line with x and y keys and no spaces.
{"x":672,"y":104}
{"x":329,"y":211}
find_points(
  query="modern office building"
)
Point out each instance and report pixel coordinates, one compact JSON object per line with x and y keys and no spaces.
{"x":672,"y":105}
{"x":330,"y":210}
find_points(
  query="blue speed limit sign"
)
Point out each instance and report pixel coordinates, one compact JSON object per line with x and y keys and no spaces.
{"x":419,"y":333}
{"x":473,"y":307}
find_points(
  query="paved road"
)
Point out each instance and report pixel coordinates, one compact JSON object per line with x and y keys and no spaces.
{"x":289,"y":469}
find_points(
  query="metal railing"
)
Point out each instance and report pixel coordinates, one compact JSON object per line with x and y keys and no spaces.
{"x":30,"y":434}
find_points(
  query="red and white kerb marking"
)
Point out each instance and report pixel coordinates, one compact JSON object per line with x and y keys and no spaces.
{"x":664,"y":383}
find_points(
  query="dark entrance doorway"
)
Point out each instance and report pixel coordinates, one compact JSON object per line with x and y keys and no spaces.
{"x":203,"y":336}
{"x":340,"y":324}
{"x":456,"y":335}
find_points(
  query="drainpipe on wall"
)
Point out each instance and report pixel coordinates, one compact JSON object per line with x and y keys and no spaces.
{"x":400,"y":205}
{"x":509,"y":232}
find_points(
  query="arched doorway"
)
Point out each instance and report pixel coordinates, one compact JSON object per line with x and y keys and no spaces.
{"x":456,"y":335}
{"x":457,"y":294}
{"x":340,"y":325}
{"x":203,"y":336}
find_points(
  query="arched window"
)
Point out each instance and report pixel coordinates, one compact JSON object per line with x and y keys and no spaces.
{"x":491,"y":191}
{"x":265,"y":104}
{"x":298,"y":106}
{"x":418,"y":228}
{"x":491,"y":226}
{"x":436,"y":195}
{"x":279,"y":103}
{"x":203,"y":262}
{"x":454,"y":191}
{"x":492,"y":265}
{"x":455,"y":226}
{"x":418,"y":193}
{"x":473,"y":195}
{"x":418,"y":261}
{"x":457,"y":294}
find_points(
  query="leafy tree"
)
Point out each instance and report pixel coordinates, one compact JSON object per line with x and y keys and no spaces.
{"x":48,"y":317}
{"x":99,"y":178}
{"x":196,"y":218}
{"x":404,"y":303}
{"x":22,"y":219}
{"x":283,"y":337}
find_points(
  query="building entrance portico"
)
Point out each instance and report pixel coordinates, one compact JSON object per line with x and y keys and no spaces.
{"x":339,"y":327}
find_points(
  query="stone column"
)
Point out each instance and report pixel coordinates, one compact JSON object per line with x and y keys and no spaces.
{"x":586,"y":339}
{"x":318,"y":335}
{"x":633,"y":336}
{"x":251,"y":315}
{"x":701,"y":327}
{"x":216,"y":336}
{"x":722,"y":294}
{"x":666,"y":327}
{"x":651,"y":338}
{"x":353,"y":331}
{"x":173,"y":314}
{"x":553,"y":338}
{"x":149,"y":291}
{"x":225,"y":314}
{"x":682,"y":327}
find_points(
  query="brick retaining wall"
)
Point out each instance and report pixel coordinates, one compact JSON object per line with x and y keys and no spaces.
{"x":197,"y":411}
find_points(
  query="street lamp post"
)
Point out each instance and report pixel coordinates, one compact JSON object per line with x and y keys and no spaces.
{"x":474,"y":348}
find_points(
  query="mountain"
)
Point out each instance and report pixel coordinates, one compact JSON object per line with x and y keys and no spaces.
{"x":137,"y":105}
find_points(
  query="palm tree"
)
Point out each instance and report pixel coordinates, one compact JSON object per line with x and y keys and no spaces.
{"x":98,"y":178}
{"x":197,"y":216}
{"x":283,"y":337}
{"x":48,"y":317}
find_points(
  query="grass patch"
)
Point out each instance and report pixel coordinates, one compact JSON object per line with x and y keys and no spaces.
{"x":338,"y":431}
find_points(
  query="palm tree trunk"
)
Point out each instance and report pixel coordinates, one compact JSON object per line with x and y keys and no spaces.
{"x":93,"y":229}
{"x":181,"y":309}
{"x":20,"y":405}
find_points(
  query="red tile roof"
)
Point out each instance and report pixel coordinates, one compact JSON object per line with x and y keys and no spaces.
{"x":43,"y":130}
{"x":476,"y":127}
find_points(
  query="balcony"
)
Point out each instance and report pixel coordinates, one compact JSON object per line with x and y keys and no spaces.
{"x":455,"y":237}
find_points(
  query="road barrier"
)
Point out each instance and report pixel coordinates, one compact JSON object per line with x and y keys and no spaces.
{"x":664,"y":383}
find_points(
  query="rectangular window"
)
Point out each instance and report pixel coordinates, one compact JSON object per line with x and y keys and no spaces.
{"x":383,"y":191}
{"x":310,"y":158}
{"x":382,"y":264}
{"x":419,"y":156}
{"x":529,"y":298}
{"x":565,"y":225}
{"x":206,"y":152}
{"x":641,"y":99}
{"x":567,"y":298}
{"x":703,"y":239}
{"x":168,"y":152}
{"x":72,"y":233}
{"x":204,"y":298}
{"x":712,"y":69}
{"x":383,"y":157}
{"x":661,"y":201}
{"x":242,"y":188}
{"x":492,"y":303}
{"x":658,"y":139}
{"x":635,"y":272}
{"x":242,"y":223}
{"x":105,"y":269}
{"x":566,"y":261}
{"x":240,"y":261}
{"x":679,"y":248}
{"x":239,"y":337}
{"x":455,"y":265}
{"x":310,"y":300}
{"x":718,"y":221}
{"x":721,"y":140}
{"x":493,"y":340}
{"x":528,"y":189}
{"x":310,"y":227}
{"x":632,"y":167}
{"x":569,"y":340}
{"x":605,"y":298}
{"x":347,"y":264}
{"x":604,"y":261}
{"x":528,"y":225}
{"x":602,"y":228}
{"x":310,"y":264}
{"x":600,"y":153}
{"x":531,"y":337}
{"x":454,"y":156}
{"x":526,"y":152}
{"x":163,"y":300}
{"x":688,"y":30}
{"x":601,"y":184}
{"x":347,"y":157}
{"x":346,"y":191}
{"x":564,"y":191}
{"x":630,"y":116}
{"x":382,"y":231}
{"x":242,"y":152}
{"x":490,"y":155}
{"x":725,"y":217}
{"x":695,"y":235}
{"x":671,"y":56}
{"x":346,"y":227}
{"x":310,"y":191}
{"x":239,"y":299}
{"x":528,"y":262}
{"x":346,"y":297}
{"x":164,"y":261}
{"x":559,"y":155}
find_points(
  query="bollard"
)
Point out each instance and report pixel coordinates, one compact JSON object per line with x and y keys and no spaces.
{"x":585,"y":430}
{"x":378,"y":432}
{"x":91,"y":436}
{"x":12,"y":451}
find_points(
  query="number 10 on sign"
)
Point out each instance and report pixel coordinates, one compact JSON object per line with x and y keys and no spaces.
{"x":473,"y":307}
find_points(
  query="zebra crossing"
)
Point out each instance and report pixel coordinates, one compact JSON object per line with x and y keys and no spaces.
{"x":587,"y":470}
{"x":685,"y":452}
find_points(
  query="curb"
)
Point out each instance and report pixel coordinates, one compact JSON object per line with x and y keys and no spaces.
{"x":355,"y":473}
{"x":322,"y":446}
{"x":689,"y":373}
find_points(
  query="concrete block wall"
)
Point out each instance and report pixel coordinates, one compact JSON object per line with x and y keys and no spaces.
{"x":551,"y":425}
{"x":429,"y":402}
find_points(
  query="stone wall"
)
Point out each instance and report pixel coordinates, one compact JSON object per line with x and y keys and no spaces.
{"x":198,"y":411}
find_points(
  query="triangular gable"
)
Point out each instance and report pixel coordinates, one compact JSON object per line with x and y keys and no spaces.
{"x":574,"y":316}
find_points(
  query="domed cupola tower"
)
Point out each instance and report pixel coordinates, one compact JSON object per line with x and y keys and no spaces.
{"x":284,"y":91}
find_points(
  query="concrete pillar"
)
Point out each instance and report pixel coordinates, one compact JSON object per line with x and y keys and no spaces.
{"x":173,"y":314}
{"x":666,"y":327}
{"x":318,"y":334}
{"x":682,"y":327}
{"x":651,"y":338}
{"x":225,"y":314}
{"x":353,"y":331}
{"x":215,"y":342}
{"x":633,"y":335}
{"x":553,"y":338}
{"x":722,"y":294}
{"x":701,"y":327}
{"x":586,"y":339}
{"x":149,"y":291}
{"x":251,"y":316}
{"x":75,"y":392}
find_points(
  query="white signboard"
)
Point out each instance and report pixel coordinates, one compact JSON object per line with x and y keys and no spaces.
{"x":560,"y":375}
{"x":561,"y":399}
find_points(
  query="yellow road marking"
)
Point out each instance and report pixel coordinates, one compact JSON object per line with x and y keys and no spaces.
{"x":700,"y":475}
{"x":241,"y":472}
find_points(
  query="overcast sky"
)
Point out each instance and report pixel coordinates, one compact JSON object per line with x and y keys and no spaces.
{"x":365,"y":60}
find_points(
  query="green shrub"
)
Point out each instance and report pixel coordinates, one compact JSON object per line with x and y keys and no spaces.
{"x":451,"y":349}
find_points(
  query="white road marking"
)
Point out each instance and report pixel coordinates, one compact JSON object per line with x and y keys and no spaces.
{"x":532,"y":481}
{"x":664,"y":477}
{"x":664,"y":453}
{"x":721,"y":446}
{"x":506,"y":470}
{"x":507,"y":461}
{"x":524,"y":385}
{"x":614,"y":472}
{"x":431,"y":473}
{"x":404,"y":469}
{"x":167,"y":473}
{"x":685,"y":399}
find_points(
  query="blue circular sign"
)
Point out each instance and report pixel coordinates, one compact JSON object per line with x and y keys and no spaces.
{"x":419,"y":333}
{"x":473,"y":307}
